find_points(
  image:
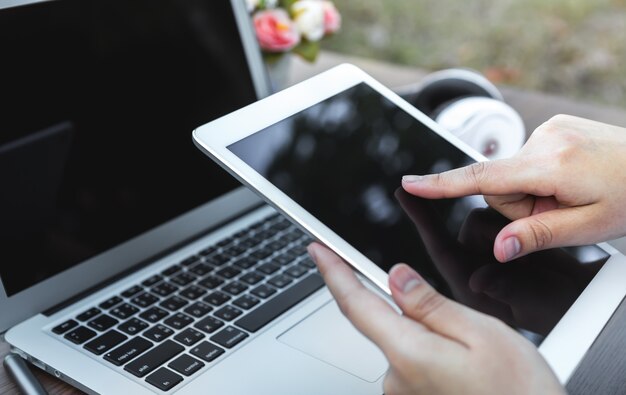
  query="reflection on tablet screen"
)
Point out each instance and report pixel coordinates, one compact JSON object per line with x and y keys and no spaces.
{"x":343,"y":160}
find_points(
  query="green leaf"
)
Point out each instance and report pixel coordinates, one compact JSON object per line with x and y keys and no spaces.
{"x":308,"y":50}
{"x":287,"y":4}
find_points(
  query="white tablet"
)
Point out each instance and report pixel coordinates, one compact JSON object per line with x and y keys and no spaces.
{"x":330,"y":153}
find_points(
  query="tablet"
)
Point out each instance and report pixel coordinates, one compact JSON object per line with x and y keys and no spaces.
{"x":330,"y":152}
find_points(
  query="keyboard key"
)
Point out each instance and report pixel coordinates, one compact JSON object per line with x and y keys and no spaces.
{"x":150,"y":281}
{"x":144,"y":300}
{"x":217,"y":298}
{"x":211,"y":282}
{"x":158,"y":333}
{"x":89,"y":314}
{"x":280,"y":281}
{"x":154,"y":358}
{"x":308,"y":262}
{"x":297,"y":271}
{"x":251,"y":278}
{"x":271,"y":309}
{"x":262,"y":253}
{"x":164,"y":289}
{"x":107,"y":304}
{"x":207,"y":351}
{"x":186,"y":365}
{"x":191,"y":260}
{"x":218,"y":259}
{"x":105,"y":342}
{"x":127,"y":351}
{"x":209,"y":324}
{"x":268,"y":268}
{"x":133,"y":326}
{"x":132,"y":291}
{"x":228,"y":272}
{"x":103,"y":322}
{"x":229,"y":337}
{"x":164,"y":379}
{"x":178,"y":321}
{"x":246,"y":263}
{"x":228,"y":313}
{"x":225,"y":242}
{"x":192,"y":292}
{"x":154,"y":314}
{"x":234,"y":250}
{"x":170,"y":271}
{"x":183,"y":279}
{"x":80,"y":335}
{"x":246,"y":302}
{"x":174,"y":303}
{"x":124,"y":311}
{"x":263,"y":291}
{"x":198,"y":309}
{"x":234,"y":288}
{"x":201,"y":269}
{"x":64,"y":327}
{"x":189,"y":337}
{"x":282,"y":260}
{"x":208,"y":251}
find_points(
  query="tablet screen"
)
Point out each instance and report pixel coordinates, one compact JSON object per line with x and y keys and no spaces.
{"x":342,"y":160}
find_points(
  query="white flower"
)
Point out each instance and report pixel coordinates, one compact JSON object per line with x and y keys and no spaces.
{"x":252,"y":5}
{"x":309,"y":18}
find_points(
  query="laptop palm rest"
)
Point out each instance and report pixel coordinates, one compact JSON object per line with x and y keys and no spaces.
{"x":328,"y":336}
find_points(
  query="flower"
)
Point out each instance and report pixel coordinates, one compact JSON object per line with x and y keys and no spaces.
{"x":293,"y":25}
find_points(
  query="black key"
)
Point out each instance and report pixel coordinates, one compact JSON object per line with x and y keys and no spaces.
{"x":154,"y":314}
{"x":229,"y":337}
{"x":217,"y":298}
{"x":102,"y":322}
{"x":183,"y":279}
{"x":124,"y":311}
{"x":297,"y":271}
{"x":172,"y":270}
{"x":246,"y":302}
{"x":207,"y":351}
{"x":133,"y":326}
{"x":154,"y":358}
{"x":252,"y":278}
{"x":201,"y":269}
{"x":158,"y":333}
{"x":164,"y":289}
{"x":186,"y":365}
{"x":174,"y":303}
{"x":192,"y":292}
{"x":268,"y":268}
{"x":144,"y":300}
{"x":225,"y":242}
{"x":262,"y":253}
{"x":276,"y":245}
{"x":283,"y":260}
{"x":234,"y":250}
{"x":208,"y":251}
{"x":64,"y":327}
{"x":127,"y":351}
{"x":178,"y":321}
{"x":107,"y":304}
{"x":198,"y":309}
{"x":234,"y":288}
{"x":191,"y":260}
{"x":211,"y":282}
{"x":308,"y":262}
{"x":132,"y":291}
{"x":218,"y":259}
{"x":246,"y":263}
{"x":228,"y":313}
{"x":150,"y":281}
{"x":89,"y":314}
{"x":209,"y":324}
{"x":105,"y":342}
{"x":271,"y":309}
{"x":164,"y":379}
{"x":263,"y":291}
{"x":80,"y":335}
{"x":229,"y":272}
{"x":280,"y":281}
{"x":189,"y":337}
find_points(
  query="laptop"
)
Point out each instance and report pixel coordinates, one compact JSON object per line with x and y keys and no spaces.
{"x":134,"y":270}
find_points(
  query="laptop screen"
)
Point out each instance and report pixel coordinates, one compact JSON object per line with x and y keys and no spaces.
{"x":98,"y":99}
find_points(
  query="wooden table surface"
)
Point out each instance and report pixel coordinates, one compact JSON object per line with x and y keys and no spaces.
{"x":603,"y":370}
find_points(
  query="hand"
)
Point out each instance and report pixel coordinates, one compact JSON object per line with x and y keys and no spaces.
{"x":566,"y":186}
{"x":437,"y":346}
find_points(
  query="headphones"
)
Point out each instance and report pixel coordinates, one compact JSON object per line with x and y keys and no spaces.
{"x":472,"y":108}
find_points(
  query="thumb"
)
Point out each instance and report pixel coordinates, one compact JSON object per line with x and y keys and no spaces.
{"x":550,"y":229}
{"x":422,"y":303}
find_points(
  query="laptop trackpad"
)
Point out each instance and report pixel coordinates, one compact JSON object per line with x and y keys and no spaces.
{"x":329,"y":337}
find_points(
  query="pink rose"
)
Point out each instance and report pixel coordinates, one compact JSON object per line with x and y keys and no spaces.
{"x":275,"y":31}
{"x":332,"y":18}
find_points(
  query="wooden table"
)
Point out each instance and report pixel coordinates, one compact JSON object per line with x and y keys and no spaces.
{"x":603,"y":370}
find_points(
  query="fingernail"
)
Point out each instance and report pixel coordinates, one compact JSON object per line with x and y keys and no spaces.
{"x":404,"y":278}
{"x":411,"y":179}
{"x":512,"y":247}
{"x":311,"y":251}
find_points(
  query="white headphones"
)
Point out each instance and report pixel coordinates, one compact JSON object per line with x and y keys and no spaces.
{"x":471,"y":107}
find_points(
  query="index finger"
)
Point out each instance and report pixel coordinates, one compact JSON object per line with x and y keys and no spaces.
{"x":499,"y":177}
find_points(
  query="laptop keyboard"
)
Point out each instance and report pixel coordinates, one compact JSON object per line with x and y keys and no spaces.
{"x":169,"y":326}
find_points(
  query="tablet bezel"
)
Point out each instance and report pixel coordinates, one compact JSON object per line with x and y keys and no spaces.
{"x":564,"y":346}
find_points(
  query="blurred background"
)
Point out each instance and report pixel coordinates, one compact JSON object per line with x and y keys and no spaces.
{"x":571,"y":48}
